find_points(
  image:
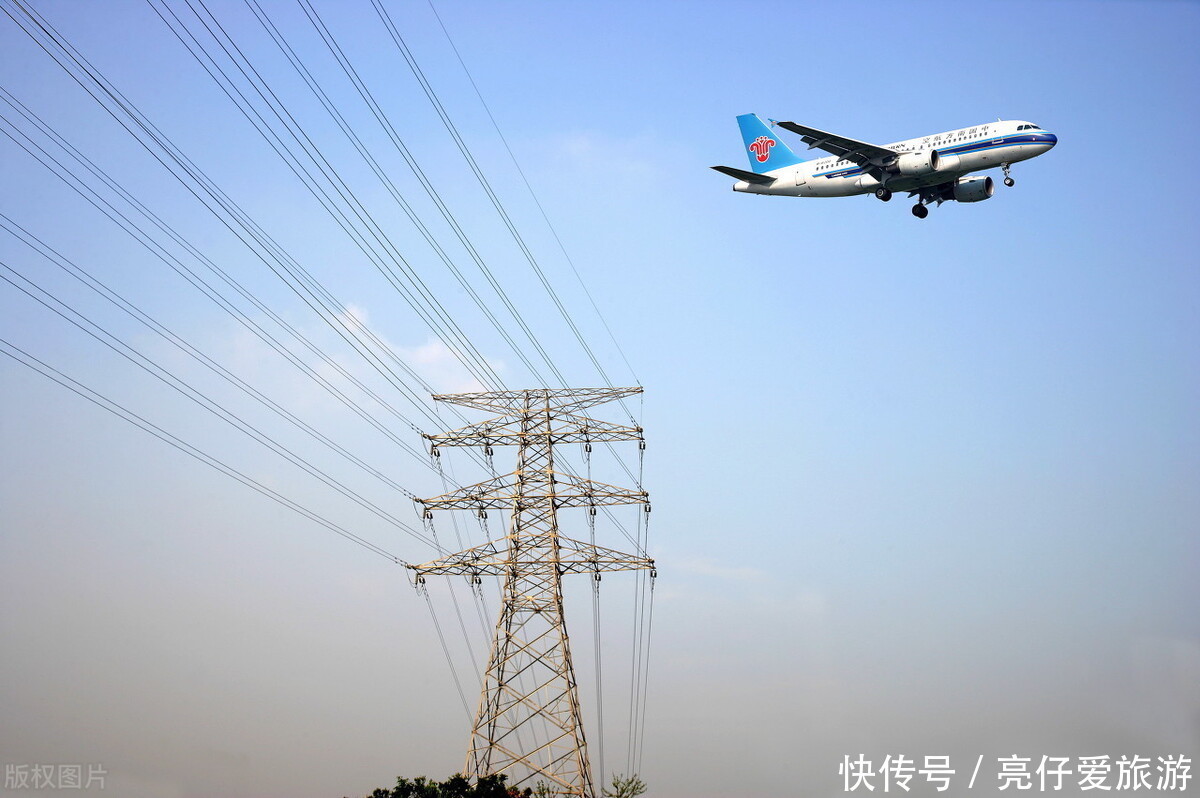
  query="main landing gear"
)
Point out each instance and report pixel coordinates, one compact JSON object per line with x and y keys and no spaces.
{"x":920,"y":211}
{"x":1008,"y":181}
{"x":883,"y":194}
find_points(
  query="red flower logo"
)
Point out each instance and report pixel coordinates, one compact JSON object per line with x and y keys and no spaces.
{"x":761,"y":147}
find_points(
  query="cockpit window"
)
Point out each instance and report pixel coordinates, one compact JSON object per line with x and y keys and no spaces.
{"x":1028,"y":127}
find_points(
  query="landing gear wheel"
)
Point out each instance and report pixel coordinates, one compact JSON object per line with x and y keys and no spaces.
{"x":883,"y":194}
{"x":920,"y":211}
{"x":1008,"y":181}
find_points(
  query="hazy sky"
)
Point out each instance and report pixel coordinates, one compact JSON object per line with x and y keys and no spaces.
{"x":920,"y":487}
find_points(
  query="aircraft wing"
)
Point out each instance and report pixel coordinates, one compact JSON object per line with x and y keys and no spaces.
{"x":858,"y":152}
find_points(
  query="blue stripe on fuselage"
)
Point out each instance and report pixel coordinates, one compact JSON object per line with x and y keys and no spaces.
{"x":970,"y":147}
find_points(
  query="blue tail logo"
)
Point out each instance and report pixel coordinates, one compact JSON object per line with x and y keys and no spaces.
{"x":765,"y":150}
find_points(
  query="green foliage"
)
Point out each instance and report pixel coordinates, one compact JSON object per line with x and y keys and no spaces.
{"x":625,"y":787}
{"x":457,"y":786}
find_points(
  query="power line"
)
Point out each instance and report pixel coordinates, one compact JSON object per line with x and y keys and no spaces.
{"x":640,"y":654}
{"x":380,"y":116}
{"x":456,"y":606}
{"x":331,"y":108}
{"x":272,"y":250}
{"x":641,"y":739}
{"x":291,"y":130}
{"x":431,"y":94}
{"x":195,"y":182}
{"x":152,"y":368}
{"x":437,"y":318}
{"x":342,"y":198}
{"x":156,"y":249}
{"x":348,"y":68}
{"x":462,"y":696}
{"x":531,"y":635}
{"x":83,"y":276}
{"x":532,"y":193}
{"x":51,"y":373}
{"x":597,"y":649}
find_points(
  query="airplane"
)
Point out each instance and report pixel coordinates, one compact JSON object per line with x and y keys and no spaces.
{"x":935,"y":168}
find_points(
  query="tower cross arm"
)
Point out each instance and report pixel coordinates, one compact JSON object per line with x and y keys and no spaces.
{"x":577,"y":492}
{"x":576,"y":557}
{"x":566,"y":490}
{"x":567,"y":428}
{"x":493,"y":559}
{"x":494,"y":494}
{"x":508,"y":402}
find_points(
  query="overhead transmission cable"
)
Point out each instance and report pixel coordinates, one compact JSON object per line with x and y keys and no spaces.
{"x":642,"y":657}
{"x":273,"y":101}
{"x":644,"y":632}
{"x":51,"y":373}
{"x":532,"y":193}
{"x":193,"y":172}
{"x":382,"y":254}
{"x":280,"y":113}
{"x":549,"y":288}
{"x":483,"y":182}
{"x":380,"y":116}
{"x":442,"y":323}
{"x":137,"y":358}
{"x":85,"y":277}
{"x":73,"y":180}
{"x":448,"y":123}
{"x":166,"y":146}
{"x":206,"y":186}
{"x":597,"y":649}
{"x":432,"y":96}
{"x":348,"y":130}
{"x":641,"y":738}
{"x":330,"y":107}
{"x":462,"y":696}
{"x":195,"y":182}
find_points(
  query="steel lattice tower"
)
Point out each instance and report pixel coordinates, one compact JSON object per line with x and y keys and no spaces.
{"x":528,"y":724}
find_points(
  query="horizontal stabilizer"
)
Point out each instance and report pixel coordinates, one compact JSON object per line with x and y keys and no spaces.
{"x":742,"y":174}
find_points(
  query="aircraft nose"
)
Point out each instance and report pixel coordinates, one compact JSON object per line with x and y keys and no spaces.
{"x":1051,"y":139}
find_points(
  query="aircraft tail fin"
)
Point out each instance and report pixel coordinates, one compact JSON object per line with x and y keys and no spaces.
{"x":765,"y":150}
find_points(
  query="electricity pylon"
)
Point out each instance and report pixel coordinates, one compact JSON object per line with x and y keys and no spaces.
{"x":528,"y":724}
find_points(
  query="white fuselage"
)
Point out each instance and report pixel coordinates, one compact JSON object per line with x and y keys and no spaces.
{"x":960,"y":152}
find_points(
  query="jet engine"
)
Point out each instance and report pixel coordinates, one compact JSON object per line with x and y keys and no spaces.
{"x":916,"y":164}
{"x":943,"y":163}
{"x":912,"y":164}
{"x":973,"y":188}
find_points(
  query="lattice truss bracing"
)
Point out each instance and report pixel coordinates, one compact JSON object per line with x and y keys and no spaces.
{"x":528,"y":724}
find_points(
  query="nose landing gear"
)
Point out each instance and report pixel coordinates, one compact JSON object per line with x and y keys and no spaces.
{"x":883,"y":194}
{"x":1008,"y":181}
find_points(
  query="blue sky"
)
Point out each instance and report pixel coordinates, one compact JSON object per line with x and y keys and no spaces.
{"x":920,"y":487}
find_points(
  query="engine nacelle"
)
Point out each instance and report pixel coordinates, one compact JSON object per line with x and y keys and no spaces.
{"x":975,"y":188}
{"x":943,"y":163}
{"x":912,"y":164}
